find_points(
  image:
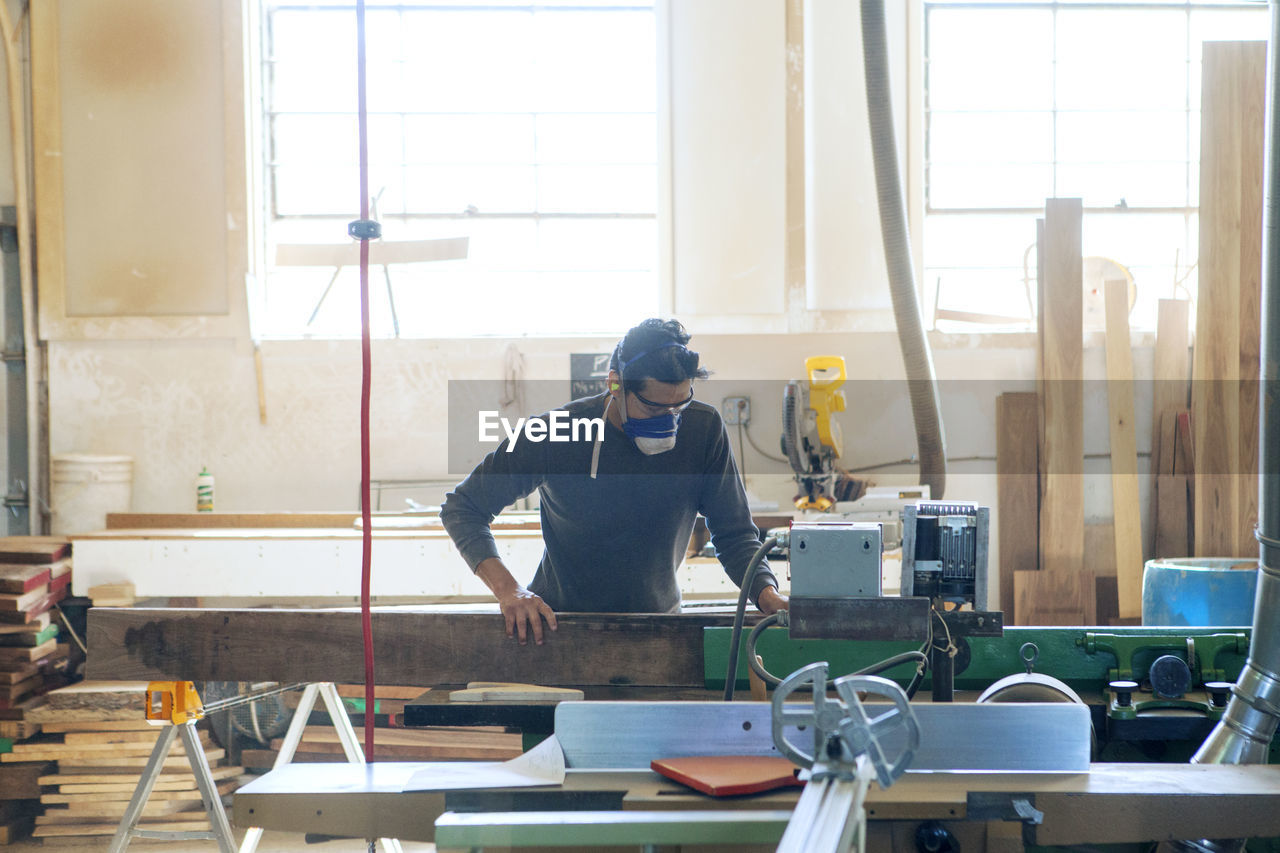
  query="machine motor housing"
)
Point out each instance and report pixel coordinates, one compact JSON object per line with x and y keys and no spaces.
{"x":836,"y":559}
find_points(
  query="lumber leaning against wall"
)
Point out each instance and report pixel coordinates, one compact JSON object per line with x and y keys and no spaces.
{"x":1224,"y":397}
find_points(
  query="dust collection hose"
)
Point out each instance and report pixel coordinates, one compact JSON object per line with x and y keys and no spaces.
{"x":922,"y":385}
{"x":1244,"y":734}
{"x":740,"y":614}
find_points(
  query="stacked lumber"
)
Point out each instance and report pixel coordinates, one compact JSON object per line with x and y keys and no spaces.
{"x":391,"y":742}
{"x":35,"y":574}
{"x":94,"y":744}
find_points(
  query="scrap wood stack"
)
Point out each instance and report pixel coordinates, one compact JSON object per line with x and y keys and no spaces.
{"x":35,"y":574}
{"x":93,"y":747}
{"x":391,"y":741}
{"x":19,"y":783}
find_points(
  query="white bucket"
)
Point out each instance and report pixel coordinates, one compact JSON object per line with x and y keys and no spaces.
{"x":84,"y":487}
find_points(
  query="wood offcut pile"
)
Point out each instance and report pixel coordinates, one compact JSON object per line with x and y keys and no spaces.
{"x":391,"y":741}
{"x":93,"y":745}
{"x":35,"y":574}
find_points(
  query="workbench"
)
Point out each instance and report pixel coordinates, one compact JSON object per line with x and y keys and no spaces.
{"x":1112,"y":803}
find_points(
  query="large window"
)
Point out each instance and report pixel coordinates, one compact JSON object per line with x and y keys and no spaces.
{"x":1027,"y":100}
{"x":528,"y":127}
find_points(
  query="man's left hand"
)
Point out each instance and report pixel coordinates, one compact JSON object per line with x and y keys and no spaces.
{"x":771,"y":601}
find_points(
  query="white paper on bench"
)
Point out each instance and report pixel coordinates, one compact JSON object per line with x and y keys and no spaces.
{"x":542,"y":765}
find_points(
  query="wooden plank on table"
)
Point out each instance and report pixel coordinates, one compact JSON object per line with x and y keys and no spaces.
{"x":1224,"y":402}
{"x":1126,"y":508}
{"x":1018,"y":492}
{"x":1059,"y":598}
{"x":654,"y":650}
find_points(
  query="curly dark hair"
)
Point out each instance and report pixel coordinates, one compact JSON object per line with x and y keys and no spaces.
{"x":656,"y":349}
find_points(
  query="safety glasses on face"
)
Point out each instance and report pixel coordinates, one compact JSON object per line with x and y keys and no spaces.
{"x":662,"y":408}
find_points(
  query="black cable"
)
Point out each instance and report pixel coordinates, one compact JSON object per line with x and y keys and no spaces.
{"x":751,"y":441}
{"x":740,"y":614}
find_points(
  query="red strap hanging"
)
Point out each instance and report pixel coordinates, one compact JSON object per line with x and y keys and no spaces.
{"x":365,"y":230}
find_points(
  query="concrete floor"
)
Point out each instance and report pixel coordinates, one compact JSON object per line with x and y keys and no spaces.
{"x":272,"y":842}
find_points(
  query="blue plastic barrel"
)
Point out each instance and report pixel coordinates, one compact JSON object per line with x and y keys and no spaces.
{"x":1201,"y":592}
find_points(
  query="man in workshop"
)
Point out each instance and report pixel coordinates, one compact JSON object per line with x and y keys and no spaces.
{"x":617,"y":510}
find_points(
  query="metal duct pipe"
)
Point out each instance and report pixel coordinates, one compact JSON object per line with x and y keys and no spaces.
{"x":921,"y":382}
{"x":1244,"y":734}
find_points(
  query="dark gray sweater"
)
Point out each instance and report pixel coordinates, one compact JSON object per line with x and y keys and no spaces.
{"x":613,"y":544}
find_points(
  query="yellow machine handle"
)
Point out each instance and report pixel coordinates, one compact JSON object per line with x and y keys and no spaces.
{"x":173,"y":703}
{"x":826,"y":396}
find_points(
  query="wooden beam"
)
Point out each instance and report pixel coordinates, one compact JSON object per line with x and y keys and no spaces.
{"x":1017,"y":493}
{"x":1124,"y":451}
{"x":419,"y":648}
{"x":1170,"y":394}
{"x":1060,"y":600}
{"x":1224,"y":399}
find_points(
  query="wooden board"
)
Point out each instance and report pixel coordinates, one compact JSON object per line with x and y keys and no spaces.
{"x":1058,"y":598}
{"x":37,"y":623}
{"x":19,"y":579}
{"x":658,"y":650}
{"x":1126,"y":508}
{"x":485,"y":691}
{"x":27,"y":654}
{"x":136,"y":723}
{"x":1170,"y":392}
{"x":35,"y":610}
{"x":1224,"y":398}
{"x":1017,"y":492}
{"x":99,"y":695}
{"x":94,"y":764}
{"x":20,"y":781}
{"x":33,"y":549}
{"x":730,"y":775}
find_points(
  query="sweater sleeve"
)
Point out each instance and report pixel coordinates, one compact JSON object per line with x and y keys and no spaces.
{"x":724,"y":505}
{"x":500,"y":480}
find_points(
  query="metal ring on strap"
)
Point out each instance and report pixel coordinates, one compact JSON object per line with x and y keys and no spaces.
{"x":1265,"y":539}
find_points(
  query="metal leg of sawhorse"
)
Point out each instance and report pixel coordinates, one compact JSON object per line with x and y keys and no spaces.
{"x":346,"y":736}
{"x":221,"y":828}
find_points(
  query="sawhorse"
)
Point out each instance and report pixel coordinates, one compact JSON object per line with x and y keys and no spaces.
{"x":176,"y":706}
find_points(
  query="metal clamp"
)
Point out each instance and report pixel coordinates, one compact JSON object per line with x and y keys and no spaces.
{"x":365,"y":229}
{"x":842,"y":729}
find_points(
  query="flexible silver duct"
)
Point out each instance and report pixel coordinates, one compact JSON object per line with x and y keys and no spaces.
{"x":1244,"y":734}
{"x":921,"y":383}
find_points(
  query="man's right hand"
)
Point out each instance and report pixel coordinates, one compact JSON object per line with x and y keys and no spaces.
{"x":522,"y":610}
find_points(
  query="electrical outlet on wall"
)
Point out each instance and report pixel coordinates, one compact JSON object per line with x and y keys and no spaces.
{"x":736,"y":410}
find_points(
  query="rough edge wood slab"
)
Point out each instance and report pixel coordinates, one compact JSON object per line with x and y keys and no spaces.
{"x":137,"y":644}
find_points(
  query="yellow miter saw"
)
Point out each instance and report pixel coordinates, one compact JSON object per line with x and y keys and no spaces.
{"x":811,"y":438}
